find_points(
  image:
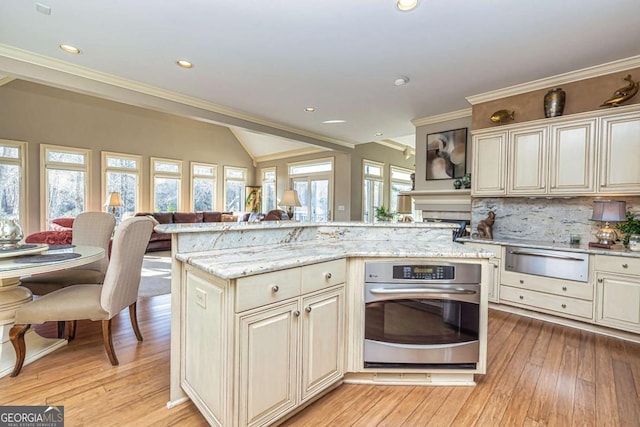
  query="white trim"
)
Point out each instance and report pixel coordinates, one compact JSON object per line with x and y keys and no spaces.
{"x":6,"y":79}
{"x":389,"y":143}
{"x":224,"y":185}
{"x":21,"y":162}
{"x":290,"y":153}
{"x":263,"y":183}
{"x":246,"y":148}
{"x":193,"y":176}
{"x":547,"y":82}
{"x":103,"y":175}
{"x":454,"y":115}
{"x":170,"y":175}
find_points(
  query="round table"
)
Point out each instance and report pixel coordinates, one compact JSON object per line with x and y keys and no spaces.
{"x":13,"y":296}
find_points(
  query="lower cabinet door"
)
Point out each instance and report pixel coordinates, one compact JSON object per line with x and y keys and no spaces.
{"x":322,"y":341}
{"x":618,"y":301}
{"x":267,"y":366}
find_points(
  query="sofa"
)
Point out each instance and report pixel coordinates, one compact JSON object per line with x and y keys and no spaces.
{"x":162,"y":241}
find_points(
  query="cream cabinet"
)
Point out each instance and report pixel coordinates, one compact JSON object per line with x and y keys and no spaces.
{"x":527,"y":161}
{"x":619,"y":153}
{"x":489,"y":164}
{"x":494,"y":270}
{"x":272,"y":341}
{"x":618,"y":292}
{"x":572,"y":156}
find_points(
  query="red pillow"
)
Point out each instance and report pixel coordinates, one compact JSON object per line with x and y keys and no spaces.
{"x":50,"y":237}
{"x":62,"y":224}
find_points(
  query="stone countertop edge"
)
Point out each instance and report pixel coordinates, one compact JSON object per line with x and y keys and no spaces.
{"x":235,"y":263}
{"x":558,"y":246}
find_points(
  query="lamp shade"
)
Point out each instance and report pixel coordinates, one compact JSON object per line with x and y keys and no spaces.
{"x":609,"y":210}
{"x":404,"y":204}
{"x":113,"y":199}
{"x":290,"y":198}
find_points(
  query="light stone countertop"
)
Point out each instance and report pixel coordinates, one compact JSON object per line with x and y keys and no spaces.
{"x":240,"y":262}
{"x":559,"y":246}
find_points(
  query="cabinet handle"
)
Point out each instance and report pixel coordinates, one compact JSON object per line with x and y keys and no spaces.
{"x":275,"y":288}
{"x":308,"y":309}
{"x":625,"y":265}
{"x":521,"y":297}
{"x":599,"y":280}
{"x":327,"y":276}
{"x":564,"y":305}
{"x":564,"y":288}
{"x":521,"y":281}
{"x":296,"y":313}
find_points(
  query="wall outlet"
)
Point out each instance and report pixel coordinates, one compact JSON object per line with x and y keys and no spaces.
{"x":201,"y":298}
{"x":340,"y":207}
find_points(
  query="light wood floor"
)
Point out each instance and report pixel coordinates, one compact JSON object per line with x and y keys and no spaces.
{"x":539,"y":374}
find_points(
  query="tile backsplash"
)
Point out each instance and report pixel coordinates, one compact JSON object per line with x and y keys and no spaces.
{"x":552,"y":220}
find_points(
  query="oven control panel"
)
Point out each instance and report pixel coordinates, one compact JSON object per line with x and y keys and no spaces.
{"x":424,"y":272}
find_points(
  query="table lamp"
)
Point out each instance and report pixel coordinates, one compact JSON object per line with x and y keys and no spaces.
{"x":607,"y":211}
{"x":113,"y":200}
{"x":405,"y":207}
{"x":289,"y":199}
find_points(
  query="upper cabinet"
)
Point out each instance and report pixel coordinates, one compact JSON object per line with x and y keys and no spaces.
{"x":583,"y":154}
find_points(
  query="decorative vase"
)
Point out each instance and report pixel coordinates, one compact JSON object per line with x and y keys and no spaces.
{"x":466,"y":180}
{"x":457,"y":184}
{"x":554,"y":102}
{"x":10,"y":233}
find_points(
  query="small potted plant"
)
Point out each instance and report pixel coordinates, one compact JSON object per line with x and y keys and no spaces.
{"x":630,"y":227}
{"x":383,"y":214}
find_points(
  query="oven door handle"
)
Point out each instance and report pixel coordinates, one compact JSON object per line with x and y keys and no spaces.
{"x":570,"y":258}
{"x":421,"y":291}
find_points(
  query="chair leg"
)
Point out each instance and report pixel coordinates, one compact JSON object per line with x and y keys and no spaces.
{"x":16,"y":335}
{"x":134,"y":321}
{"x":72,"y":329}
{"x":108,"y":343}
{"x":61,"y":325}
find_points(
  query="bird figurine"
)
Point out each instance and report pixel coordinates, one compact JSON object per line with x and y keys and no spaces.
{"x":623,"y":94}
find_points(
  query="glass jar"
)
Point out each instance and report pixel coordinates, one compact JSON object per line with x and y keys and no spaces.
{"x":634,"y":242}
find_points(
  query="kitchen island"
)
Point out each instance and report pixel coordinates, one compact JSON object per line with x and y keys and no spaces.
{"x":267,"y":317}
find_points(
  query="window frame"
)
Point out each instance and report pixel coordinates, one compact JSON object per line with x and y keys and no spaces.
{"x":264,"y":182}
{"x":394,"y":200}
{"x":194,"y":176}
{"x":373,"y":179}
{"x":242,"y":190}
{"x":168,"y":175}
{"x":105,"y":168}
{"x":309,"y":176}
{"x":45,"y":165}
{"x":21,"y":162}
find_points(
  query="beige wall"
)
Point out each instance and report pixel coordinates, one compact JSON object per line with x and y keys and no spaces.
{"x":44,"y":115}
{"x":341,"y":175}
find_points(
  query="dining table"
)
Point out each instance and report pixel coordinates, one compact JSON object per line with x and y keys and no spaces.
{"x":24,"y":260}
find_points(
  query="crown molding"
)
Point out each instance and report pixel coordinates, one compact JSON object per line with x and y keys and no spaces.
{"x":545,"y":83}
{"x":146,"y":89}
{"x":6,"y":79}
{"x":454,"y":115}
{"x":287,"y":154}
{"x":397,"y":146}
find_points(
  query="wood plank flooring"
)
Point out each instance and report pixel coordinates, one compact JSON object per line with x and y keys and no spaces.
{"x":539,"y":374}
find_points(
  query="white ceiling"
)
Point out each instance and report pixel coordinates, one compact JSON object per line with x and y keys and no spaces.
{"x":266,"y":60}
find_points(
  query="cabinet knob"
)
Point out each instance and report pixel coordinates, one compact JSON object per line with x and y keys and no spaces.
{"x":564,"y":305}
{"x":625,"y":265}
{"x":521,"y":281}
{"x":600,"y":280}
{"x":308,"y":309}
{"x":275,"y":288}
{"x":564,"y":288}
{"x":296,"y":313}
{"x":521,"y":297}
{"x":327,"y":276}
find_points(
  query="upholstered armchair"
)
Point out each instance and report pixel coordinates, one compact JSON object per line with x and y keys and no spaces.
{"x":92,"y":301}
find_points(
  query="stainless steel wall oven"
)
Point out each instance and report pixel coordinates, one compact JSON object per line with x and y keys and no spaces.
{"x":422,"y":315}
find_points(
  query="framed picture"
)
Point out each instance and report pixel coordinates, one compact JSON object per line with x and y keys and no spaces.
{"x":253,"y":202}
{"x":447,"y":154}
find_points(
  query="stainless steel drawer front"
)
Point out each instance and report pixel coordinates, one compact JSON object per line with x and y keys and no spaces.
{"x":548,"y":263}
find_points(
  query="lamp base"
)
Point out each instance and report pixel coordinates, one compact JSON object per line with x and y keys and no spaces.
{"x":290,"y":212}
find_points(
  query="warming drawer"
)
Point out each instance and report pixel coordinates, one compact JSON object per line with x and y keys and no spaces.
{"x":548,"y":263}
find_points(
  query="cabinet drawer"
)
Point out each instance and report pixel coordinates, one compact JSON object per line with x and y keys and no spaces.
{"x":323,"y":275}
{"x":548,"y":285}
{"x":267,"y":288}
{"x":546,"y":302}
{"x":618,"y":264}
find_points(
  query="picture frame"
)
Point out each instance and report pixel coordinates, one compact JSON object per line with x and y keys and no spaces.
{"x":253,"y":199}
{"x":446,"y":154}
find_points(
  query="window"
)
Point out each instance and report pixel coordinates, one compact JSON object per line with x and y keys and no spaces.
{"x":65,"y":186}
{"x":269,"y":201}
{"x":400,"y":179}
{"x":203,"y":186}
{"x":166,"y":180}
{"x":121,"y":173}
{"x":313,"y":180}
{"x":12,"y":180}
{"x":372,"y":192}
{"x":235,"y":180}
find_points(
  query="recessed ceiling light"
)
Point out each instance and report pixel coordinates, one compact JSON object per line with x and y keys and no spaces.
{"x":309,"y":109}
{"x":328,"y":122}
{"x":70,"y":49}
{"x":401,"y":81}
{"x":406,"y":5}
{"x":43,"y":9}
{"x":379,"y":133}
{"x":184,"y":64}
